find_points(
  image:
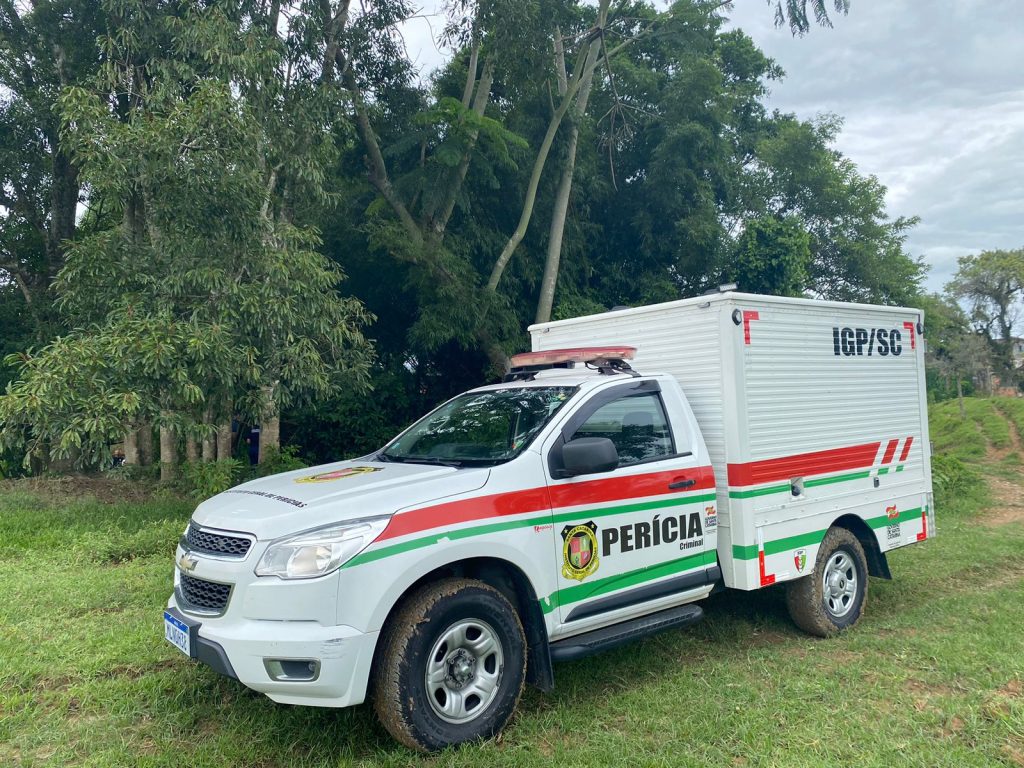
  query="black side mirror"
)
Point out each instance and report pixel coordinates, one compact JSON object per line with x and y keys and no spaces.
{"x":587,"y":455}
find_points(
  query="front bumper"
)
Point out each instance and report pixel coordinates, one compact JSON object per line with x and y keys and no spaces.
{"x":266,"y":621}
{"x":241,"y":650}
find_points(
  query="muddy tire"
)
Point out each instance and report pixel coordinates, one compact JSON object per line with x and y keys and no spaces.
{"x":451,"y":666}
{"x":831,"y":599}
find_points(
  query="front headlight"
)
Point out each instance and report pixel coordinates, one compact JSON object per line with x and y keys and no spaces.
{"x":320,"y":551}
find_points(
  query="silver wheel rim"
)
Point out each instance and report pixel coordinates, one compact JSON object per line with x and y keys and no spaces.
{"x":839,"y":583}
{"x":464,"y":671}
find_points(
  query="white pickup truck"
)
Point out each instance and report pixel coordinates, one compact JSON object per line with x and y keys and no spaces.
{"x":632,"y":464}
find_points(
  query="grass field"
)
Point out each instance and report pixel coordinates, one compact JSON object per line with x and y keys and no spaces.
{"x":933,"y":676}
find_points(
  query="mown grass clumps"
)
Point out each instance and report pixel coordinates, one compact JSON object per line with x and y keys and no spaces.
{"x":953,"y":434}
{"x":991,"y":423}
{"x":112,"y":545}
{"x":952,"y":477}
{"x":1013,"y":409}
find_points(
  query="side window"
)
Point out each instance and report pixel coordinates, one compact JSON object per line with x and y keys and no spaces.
{"x":636,"y":424}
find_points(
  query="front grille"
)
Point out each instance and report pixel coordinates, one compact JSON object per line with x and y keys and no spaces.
{"x":203,"y":595}
{"x":220,"y":544}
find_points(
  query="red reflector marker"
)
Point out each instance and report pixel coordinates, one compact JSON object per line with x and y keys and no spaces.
{"x":574,"y":355}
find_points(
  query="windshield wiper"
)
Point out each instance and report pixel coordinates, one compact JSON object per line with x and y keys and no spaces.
{"x":419,"y":460}
{"x":432,"y":460}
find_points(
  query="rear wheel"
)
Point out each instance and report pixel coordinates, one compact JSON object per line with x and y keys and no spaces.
{"x":831,"y":599}
{"x":451,"y":667}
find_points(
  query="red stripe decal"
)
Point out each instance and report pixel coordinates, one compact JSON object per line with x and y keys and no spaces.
{"x":748,"y":315}
{"x":906,"y":449}
{"x":890,"y":449}
{"x":768,"y":578}
{"x":482,"y":508}
{"x":913,"y":340}
{"x":798,"y":465}
{"x":924,"y":526}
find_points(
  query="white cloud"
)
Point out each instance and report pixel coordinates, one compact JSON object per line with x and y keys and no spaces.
{"x":933,"y":106}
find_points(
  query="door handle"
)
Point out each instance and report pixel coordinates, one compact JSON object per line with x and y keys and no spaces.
{"x":681,"y":484}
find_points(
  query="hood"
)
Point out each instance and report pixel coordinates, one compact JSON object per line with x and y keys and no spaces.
{"x":291,"y":502}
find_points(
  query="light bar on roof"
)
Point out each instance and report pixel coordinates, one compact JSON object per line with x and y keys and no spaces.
{"x":574,"y":355}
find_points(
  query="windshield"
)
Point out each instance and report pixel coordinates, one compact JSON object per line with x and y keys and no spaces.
{"x":479,"y":427}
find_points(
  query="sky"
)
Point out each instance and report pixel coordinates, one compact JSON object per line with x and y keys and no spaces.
{"x":932,"y":95}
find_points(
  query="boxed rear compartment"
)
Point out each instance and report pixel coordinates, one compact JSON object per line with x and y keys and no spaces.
{"x":811,"y":411}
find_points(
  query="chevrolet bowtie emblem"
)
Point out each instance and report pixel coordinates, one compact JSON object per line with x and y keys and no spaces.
{"x":186,"y":563}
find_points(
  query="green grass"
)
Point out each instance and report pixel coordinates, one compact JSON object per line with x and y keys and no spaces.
{"x":952,"y":434}
{"x":990,"y":421}
{"x":1013,"y":409}
{"x":933,"y":676}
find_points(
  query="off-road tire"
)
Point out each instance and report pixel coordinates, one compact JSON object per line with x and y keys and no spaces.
{"x":806,"y":598}
{"x":399,"y":691}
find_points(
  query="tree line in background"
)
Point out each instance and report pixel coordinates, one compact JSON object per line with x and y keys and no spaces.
{"x":257,"y":211}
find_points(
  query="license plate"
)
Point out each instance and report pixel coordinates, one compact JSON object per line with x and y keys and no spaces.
{"x":177,"y":633}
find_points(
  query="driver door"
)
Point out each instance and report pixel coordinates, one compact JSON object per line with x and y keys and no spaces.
{"x":637,"y":533}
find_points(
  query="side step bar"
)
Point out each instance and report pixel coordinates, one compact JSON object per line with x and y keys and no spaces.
{"x":609,"y":637}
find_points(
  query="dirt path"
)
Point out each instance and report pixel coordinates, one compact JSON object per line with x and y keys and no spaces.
{"x":1007,"y":495}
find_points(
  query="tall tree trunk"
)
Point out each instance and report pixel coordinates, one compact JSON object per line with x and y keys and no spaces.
{"x":960,"y":398}
{"x":586,"y":62}
{"x":168,"y":454}
{"x":191,"y":450}
{"x":131,"y":447}
{"x":145,"y":438}
{"x":270,"y":428}
{"x":224,"y":447}
{"x":210,"y":439}
{"x":561,"y":208}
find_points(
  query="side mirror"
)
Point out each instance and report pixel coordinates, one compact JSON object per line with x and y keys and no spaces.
{"x":587,"y":455}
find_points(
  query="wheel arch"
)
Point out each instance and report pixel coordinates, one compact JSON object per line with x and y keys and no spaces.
{"x":878,"y":565}
{"x":514,"y":584}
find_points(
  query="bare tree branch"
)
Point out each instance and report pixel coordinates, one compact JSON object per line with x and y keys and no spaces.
{"x":378,"y":170}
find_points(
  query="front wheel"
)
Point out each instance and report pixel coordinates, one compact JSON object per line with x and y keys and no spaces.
{"x":451,"y":667}
{"x":831,"y":599}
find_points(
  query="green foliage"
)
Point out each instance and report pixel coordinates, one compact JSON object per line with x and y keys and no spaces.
{"x":234,"y":203}
{"x":992,"y":283}
{"x":772,"y":257}
{"x":953,"y":434}
{"x":203,"y":479}
{"x":955,"y":355}
{"x":75,"y":396}
{"x":951,"y":477}
{"x":205,"y":296}
{"x":275,"y":461}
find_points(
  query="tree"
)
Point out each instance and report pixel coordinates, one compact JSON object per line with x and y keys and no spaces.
{"x":793,"y":13}
{"x":992,"y":283}
{"x":215,"y":301}
{"x":43,"y":48}
{"x":772,"y":257}
{"x":955,"y":354}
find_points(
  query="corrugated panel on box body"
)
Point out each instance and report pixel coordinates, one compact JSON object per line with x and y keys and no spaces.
{"x":800,"y":396}
{"x":684,"y":344}
{"x":775,"y":404}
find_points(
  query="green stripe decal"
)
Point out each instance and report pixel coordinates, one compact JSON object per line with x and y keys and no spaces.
{"x":814,"y":483}
{"x":837,"y":479}
{"x":630,"y":579}
{"x":482,"y":530}
{"x":749,"y":552}
{"x":758,"y":491}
